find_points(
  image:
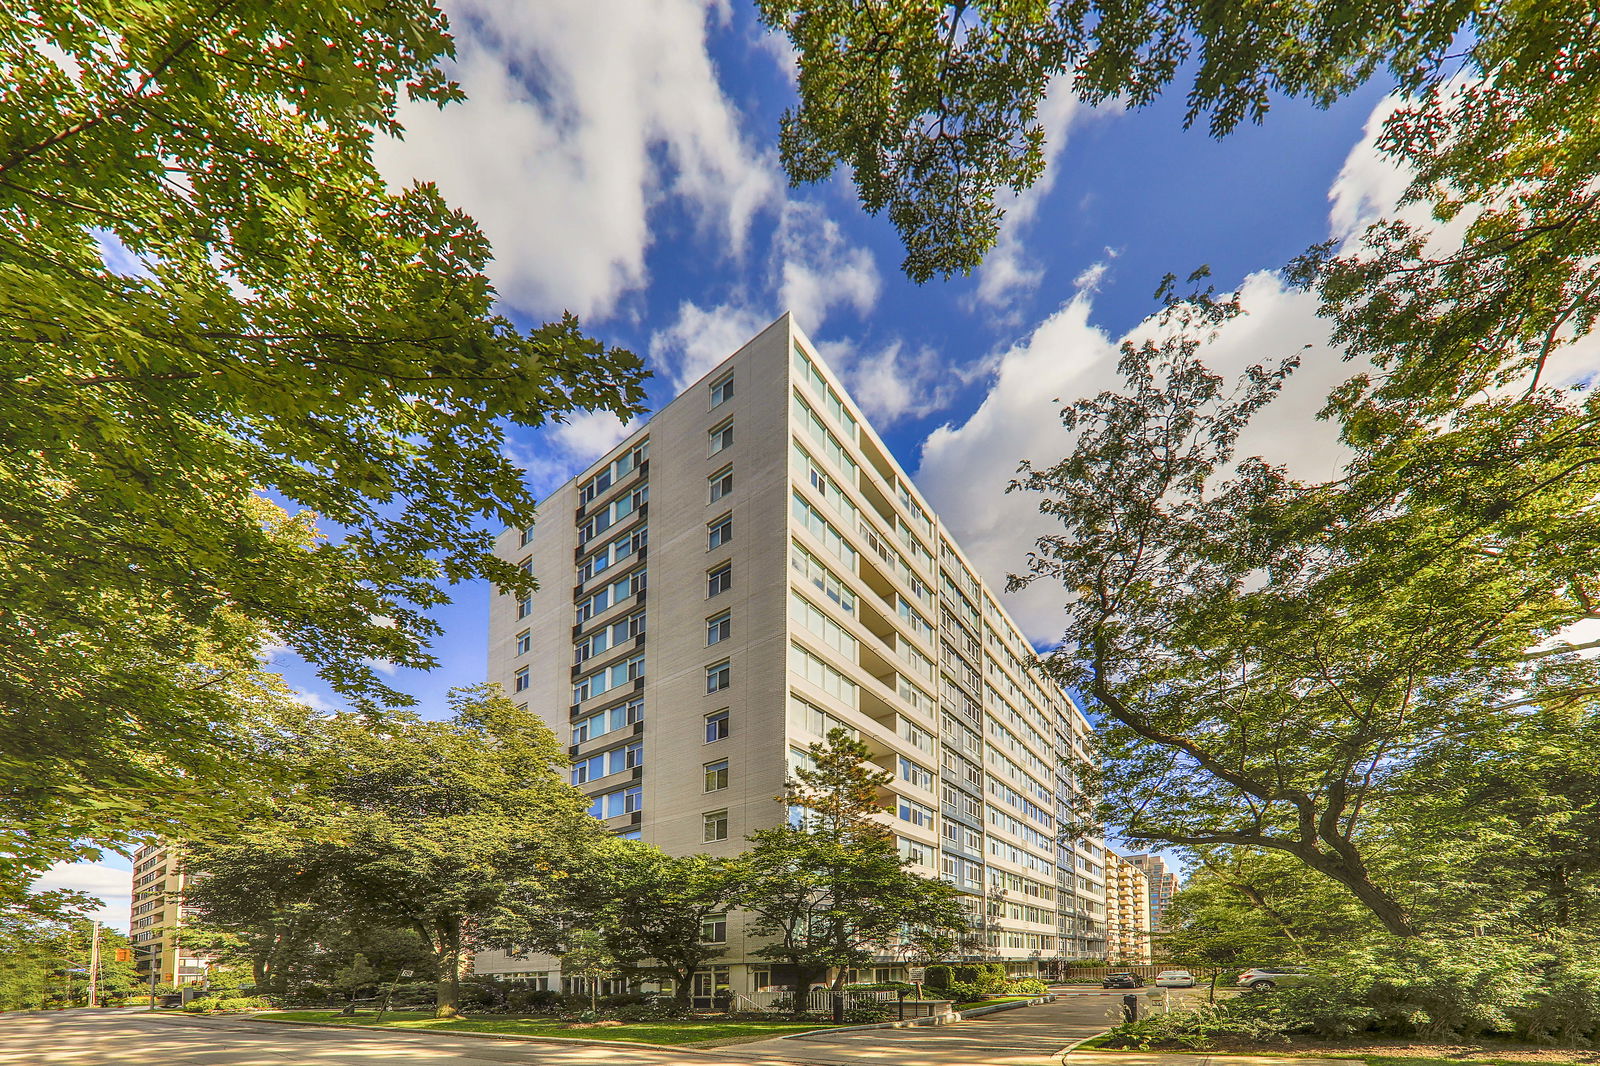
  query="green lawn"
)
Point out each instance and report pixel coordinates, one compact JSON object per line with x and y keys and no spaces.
{"x":685,"y":1032}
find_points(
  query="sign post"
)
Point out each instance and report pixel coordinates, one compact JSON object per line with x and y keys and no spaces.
{"x":389,"y":995}
{"x":917,"y":975}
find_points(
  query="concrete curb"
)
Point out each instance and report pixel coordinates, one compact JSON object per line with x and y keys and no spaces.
{"x":947,"y":1018}
{"x":1070,"y":1048}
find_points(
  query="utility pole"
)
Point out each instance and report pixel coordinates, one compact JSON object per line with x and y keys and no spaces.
{"x":94,"y":967}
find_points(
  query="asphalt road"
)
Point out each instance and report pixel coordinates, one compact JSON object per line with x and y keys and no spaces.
{"x":133,"y":1038}
{"x":1030,"y":1036}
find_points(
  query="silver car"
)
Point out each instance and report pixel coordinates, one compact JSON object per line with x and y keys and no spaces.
{"x":1174,"y":979}
{"x":1266,"y":978}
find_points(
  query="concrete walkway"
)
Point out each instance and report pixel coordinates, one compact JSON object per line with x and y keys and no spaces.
{"x":1027,"y":1036}
{"x":1096,"y":1057}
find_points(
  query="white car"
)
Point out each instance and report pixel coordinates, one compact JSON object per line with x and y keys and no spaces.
{"x":1174,"y":979}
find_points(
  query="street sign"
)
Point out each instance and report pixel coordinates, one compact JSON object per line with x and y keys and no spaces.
{"x":405,"y":973}
{"x":917,"y":974}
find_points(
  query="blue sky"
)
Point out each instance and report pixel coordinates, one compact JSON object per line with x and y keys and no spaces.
{"x":621,"y":155}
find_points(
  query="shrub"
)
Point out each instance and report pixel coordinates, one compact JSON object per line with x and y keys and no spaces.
{"x":865,"y":1012}
{"x":533,"y":1000}
{"x":1026,"y":986}
{"x":960,"y":992}
{"x":992,"y":978}
{"x":226,"y":1004}
{"x":939,"y":976}
{"x":654,"y":1010}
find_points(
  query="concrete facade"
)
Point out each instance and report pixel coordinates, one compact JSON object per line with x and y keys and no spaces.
{"x":1162,"y":881}
{"x":688,"y":690}
{"x":156,"y":914}
{"x":1127,"y":912}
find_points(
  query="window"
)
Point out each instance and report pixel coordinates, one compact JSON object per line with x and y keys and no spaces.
{"x":525,"y":642}
{"x":614,"y":472}
{"x":915,"y":774}
{"x":721,"y":483}
{"x":609,"y":720}
{"x":719,"y":580}
{"x":721,"y":438}
{"x":716,"y":775}
{"x":719,"y":532}
{"x":608,"y":678}
{"x":525,"y":606}
{"x":714,"y":929}
{"x":915,"y":813}
{"x":522,"y":681}
{"x":622,"y":801}
{"x":717,"y":725}
{"x":819,"y":673}
{"x":719,"y":628}
{"x":715,"y":826}
{"x":527,"y":535}
{"x":825,"y":531}
{"x":719,"y":677}
{"x":722,"y":391}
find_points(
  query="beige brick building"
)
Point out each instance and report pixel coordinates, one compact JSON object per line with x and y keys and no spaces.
{"x":156,"y":914}
{"x":1127,"y":912}
{"x":749,"y":569}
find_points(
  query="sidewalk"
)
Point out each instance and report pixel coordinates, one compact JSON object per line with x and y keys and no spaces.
{"x":1098,"y":1057}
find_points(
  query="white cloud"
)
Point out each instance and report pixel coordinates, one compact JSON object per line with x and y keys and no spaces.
{"x":583,"y":116}
{"x":702,"y":337}
{"x":818,"y":270}
{"x":1008,"y":272}
{"x":812,"y":271}
{"x":318,"y":703}
{"x":566,"y":448}
{"x":964,"y":469}
{"x":895,"y":381}
{"x":112,"y":886}
{"x":1369,"y":184}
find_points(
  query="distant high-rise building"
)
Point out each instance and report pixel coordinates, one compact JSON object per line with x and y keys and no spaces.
{"x":1163,"y":883}
{"x":1127,"y":912}
{"x":157,"y":914}
{"x":750,"y":569}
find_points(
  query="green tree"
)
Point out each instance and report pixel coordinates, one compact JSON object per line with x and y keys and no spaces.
{"x":589,"y":958}
{"x":934,"y":106}
{"x":356,"y":978}
{"x":1273,"y":658}
{"x":651,"y":909}
{"x":401,"y":822}
{"x":829,"y":886}
{"x":210,"y":301}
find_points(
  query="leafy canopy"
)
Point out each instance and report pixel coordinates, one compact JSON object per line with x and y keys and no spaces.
{"x":222,"y":338}
{"x":1275,"y":660}
{"x":406,"y":823}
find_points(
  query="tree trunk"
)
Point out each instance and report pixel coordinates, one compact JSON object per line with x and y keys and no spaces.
{"x":445,"y":940}
{"x":681,"y":982}
{"x":1350,"y":872}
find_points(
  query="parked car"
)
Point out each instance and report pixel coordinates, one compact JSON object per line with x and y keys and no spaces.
{"x":1122,"y":980}
{"x":1174,"y":979}
{"x":1266,"y":978}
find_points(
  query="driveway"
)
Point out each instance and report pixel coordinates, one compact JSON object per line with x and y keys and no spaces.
{"x":1027,"y":1036}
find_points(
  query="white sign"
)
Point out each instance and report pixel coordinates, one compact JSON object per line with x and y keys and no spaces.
{"x":917,"y":974}
{"x":405,"y":973}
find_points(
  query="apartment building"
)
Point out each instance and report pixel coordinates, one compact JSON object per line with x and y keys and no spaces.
{"x":1162,"y":881}
{"x":156,"y":913}
{"x":749,"y":570}
{"x":1127,"y":912}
